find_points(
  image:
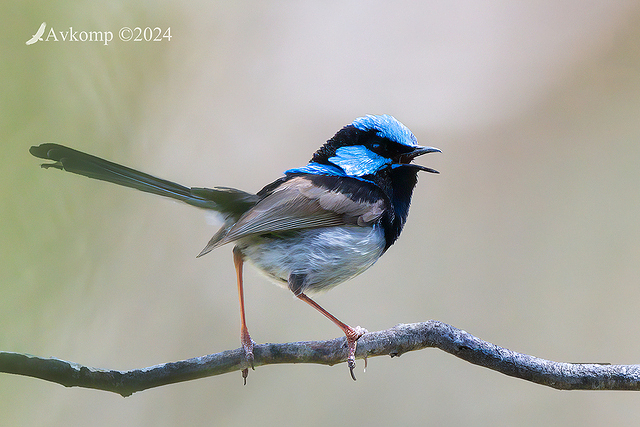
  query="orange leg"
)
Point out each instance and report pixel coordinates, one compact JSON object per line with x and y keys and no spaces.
{"x":245,"y":338}
{"x":352,"y":334}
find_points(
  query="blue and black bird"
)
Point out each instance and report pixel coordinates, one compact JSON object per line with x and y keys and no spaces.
{"x":310,"y":230}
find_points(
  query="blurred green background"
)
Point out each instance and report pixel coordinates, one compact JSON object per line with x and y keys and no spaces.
{"x":529,"y":237}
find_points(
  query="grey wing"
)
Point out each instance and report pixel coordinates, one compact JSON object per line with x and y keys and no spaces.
{"x":298,"y":204}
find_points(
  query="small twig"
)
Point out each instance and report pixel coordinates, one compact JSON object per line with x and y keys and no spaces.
{"x":394,"y":342}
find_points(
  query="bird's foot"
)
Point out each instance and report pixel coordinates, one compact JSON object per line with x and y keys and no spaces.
{"x":247,"y":346}
{"x":353,"y":334}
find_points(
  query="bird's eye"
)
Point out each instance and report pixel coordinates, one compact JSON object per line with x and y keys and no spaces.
{"x":375,"y":147}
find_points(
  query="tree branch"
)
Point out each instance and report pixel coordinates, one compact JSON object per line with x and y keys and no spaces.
{"x":393,"y":342}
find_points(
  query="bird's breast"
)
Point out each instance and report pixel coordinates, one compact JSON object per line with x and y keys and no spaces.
{"x":325,"y":257}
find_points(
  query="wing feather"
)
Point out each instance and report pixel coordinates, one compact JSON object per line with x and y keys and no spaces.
{"x":298,"y":204}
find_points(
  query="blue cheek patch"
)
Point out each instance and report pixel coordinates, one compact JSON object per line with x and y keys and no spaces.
{"x":352,"y":161}
{"x":357,"y":160}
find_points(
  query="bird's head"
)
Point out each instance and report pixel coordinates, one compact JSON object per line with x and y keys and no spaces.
{"x":370,"y":145}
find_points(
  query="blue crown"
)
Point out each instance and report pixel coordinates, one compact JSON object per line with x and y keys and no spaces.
{"x":386,"y":127}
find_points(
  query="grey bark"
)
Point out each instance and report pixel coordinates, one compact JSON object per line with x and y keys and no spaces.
{"x":393,"y":342}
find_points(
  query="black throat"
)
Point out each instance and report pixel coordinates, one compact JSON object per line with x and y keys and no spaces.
{"x":397,"y":184}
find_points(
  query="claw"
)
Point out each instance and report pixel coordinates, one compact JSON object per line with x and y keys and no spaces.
{"x":352,"y":366}
{"x":248,"y":351}
{"x":247,"y":346}
{"x":245,"y":374}
{"x":353,"y":334}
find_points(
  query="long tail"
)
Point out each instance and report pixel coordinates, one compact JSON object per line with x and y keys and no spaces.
{"x":227,"y":201}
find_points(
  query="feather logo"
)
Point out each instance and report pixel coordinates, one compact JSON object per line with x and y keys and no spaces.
{"x":38,"y":35}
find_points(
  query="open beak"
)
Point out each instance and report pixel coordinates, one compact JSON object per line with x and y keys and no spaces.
{"x":406,"y":158}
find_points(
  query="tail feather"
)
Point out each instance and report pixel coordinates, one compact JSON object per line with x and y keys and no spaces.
{"x":228,"y":201}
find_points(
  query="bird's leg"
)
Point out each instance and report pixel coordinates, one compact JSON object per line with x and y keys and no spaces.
{"x":352,"y":334}
{"x":245,"y":338}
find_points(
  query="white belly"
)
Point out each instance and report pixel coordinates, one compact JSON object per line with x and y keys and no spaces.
{"x":325,"y":256}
